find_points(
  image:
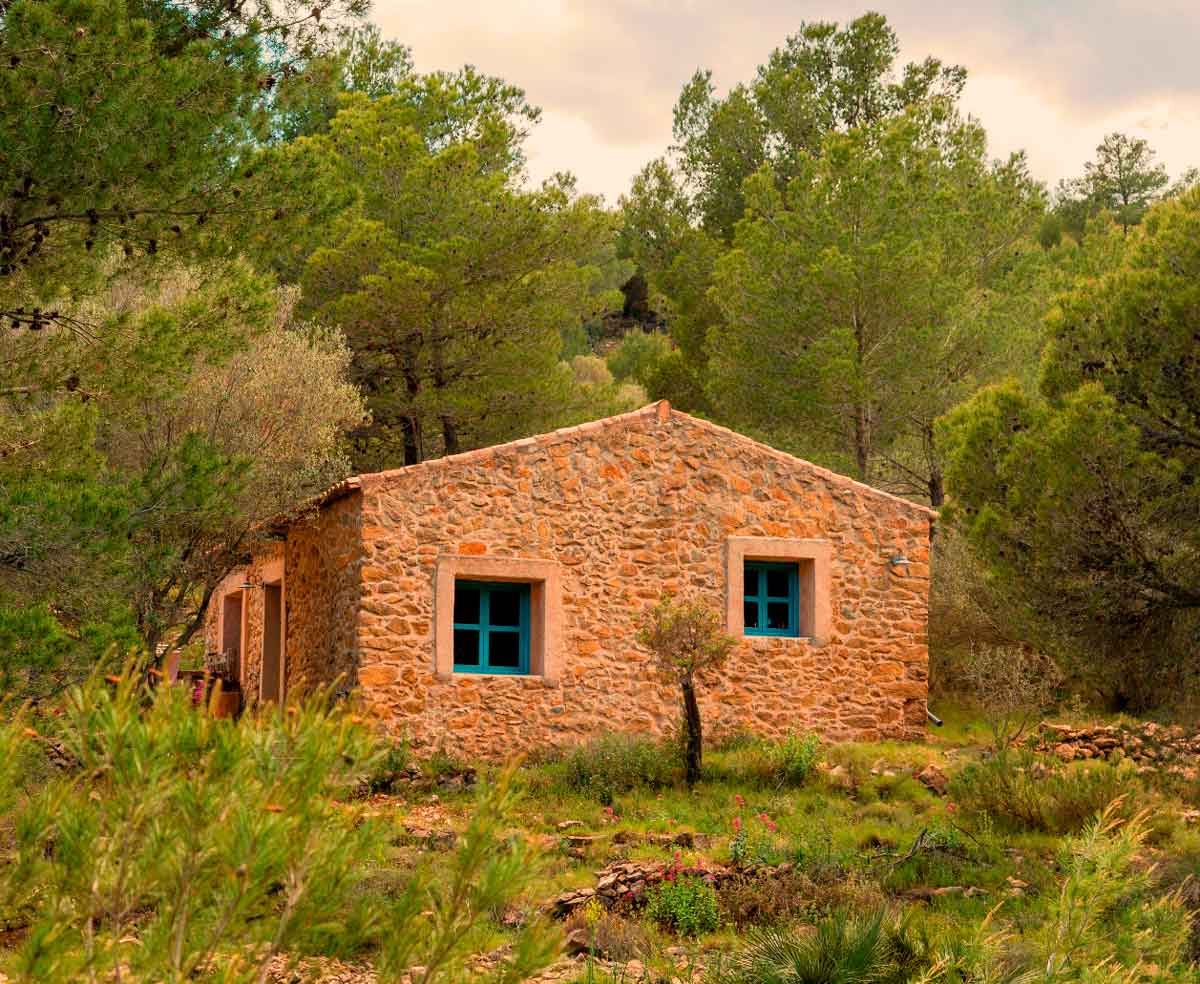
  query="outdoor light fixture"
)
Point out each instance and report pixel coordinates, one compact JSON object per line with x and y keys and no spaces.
{"x":248,"y":584}
{"x":900,"y":561}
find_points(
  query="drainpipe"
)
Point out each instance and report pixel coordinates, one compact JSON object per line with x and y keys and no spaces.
{"x":933,"y":717}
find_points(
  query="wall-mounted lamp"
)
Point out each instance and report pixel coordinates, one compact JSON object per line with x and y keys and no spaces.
{"x":900,"y":561}
{"x":249,"y":583}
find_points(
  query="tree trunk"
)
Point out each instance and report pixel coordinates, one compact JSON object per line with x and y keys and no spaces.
{"x":862,"y":441}
{"x":412,"y":445}
{"x":937,"y":491}
{"x":449,"y":435}
{"x":694,"y":737}
{"x":862,"y":408}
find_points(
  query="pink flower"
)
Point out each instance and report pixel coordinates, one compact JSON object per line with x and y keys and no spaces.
{"x":772,"y":826}
{"x":737,"y":824}
{"x":737,"y":798}
{"x":950,"y":807}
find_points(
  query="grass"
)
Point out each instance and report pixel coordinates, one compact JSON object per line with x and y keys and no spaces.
{"x":849,"y":839}
{"x":864,"y":844}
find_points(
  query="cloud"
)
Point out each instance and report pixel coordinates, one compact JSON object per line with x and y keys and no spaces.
{"x":1049,"y":77}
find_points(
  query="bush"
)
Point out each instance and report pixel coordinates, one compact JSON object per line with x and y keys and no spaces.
{"x":1109,"y":909}
{"x":686,"y":905}
{"x":391,"y":766}
{"x":1019,"y":792}
{"x":609,"y":935}
{"x":172,"y":845}
{"x":765,"y":901}
{"x":793,"y":759}
{"x":843,"y":949}
{"x":615,"y":764}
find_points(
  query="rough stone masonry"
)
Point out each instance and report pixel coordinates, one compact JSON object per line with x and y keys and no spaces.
{"x":604,"y":519}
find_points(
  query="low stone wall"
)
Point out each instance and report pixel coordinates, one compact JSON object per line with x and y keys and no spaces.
{"x":1151,"y":746}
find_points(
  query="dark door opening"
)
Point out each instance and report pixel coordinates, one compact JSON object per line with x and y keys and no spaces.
{"x":231,"y":634}
{"x":272,"y":661}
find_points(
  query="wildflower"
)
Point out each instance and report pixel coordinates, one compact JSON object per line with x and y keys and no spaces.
{"x":737,"y":798}
{"x":737,"y":824}
{"x":950,"y":807}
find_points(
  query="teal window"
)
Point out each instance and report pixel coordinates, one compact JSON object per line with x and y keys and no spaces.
{"x":771,"y":598}
{"x":491,"y":627}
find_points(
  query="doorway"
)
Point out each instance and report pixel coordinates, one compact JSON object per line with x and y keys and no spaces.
{"x":271,"y":687}
{"x":231,"y":633}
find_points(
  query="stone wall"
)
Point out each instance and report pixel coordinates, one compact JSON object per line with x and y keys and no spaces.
{"x":321,"y":594}
{"x":630,"y":508}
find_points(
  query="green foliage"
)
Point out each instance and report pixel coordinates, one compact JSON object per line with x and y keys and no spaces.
{"x":792,"y":760}
{"x":451,"y":281}
{"x":146,"y":131}
{"x":1019,"y":792}
{"x":1080,"y":500}
{"x":390,"y":767}
{"x":638,"y":357}
{"x":32,"y":642}
{"x":146,"y":834}
{"x":824,"y":79}
{"x":199,"y":412}
{"x":842,"y":950}
{"x":616,"y":763}
{"x":687,"y":905}
{"x":687,"y":639}
{"x":859,"y":300}
{"x":177,"y":846}
{"x":1124,"y":178}
{"x":1109,"y":918}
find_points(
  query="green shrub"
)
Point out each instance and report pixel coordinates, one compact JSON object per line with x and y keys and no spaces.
{"x":609,"y":935}
{"x":175,"y":846}
{"x":842,"y":950}
{"x":688,"y":905}
{"x":1109,"y":909}
{"x":615,"y":764}
{"x":390,"y":767}
{"x":793,"y":759}
{"x":1019,"y":792}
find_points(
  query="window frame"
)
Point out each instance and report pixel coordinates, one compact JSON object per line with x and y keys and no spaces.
{"x":485,"y":629}
{"x":813,"y":558}
{"x":763,"y":599}
{"x":544,"y":576}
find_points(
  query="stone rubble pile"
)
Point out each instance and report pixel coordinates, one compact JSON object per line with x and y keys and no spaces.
{"x":1151,"y":746}
{"x":628,"y":881}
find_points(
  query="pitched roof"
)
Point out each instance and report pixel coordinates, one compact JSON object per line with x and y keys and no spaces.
{"x":661,"y":410}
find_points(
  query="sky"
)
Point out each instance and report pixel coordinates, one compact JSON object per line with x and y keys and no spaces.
{"x":1050,"y":78}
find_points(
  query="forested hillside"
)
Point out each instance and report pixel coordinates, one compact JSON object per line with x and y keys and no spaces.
{"x":246,"y":251}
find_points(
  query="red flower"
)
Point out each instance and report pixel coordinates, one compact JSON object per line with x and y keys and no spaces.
{"x":737,"y":824}
{"x":737,"y":798}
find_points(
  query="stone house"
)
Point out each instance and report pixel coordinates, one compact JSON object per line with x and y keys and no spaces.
{"x":489,"y":601}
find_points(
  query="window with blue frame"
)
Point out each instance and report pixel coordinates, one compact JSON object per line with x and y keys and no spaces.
{"x":771,"y":598}
{"x":491,"y":627}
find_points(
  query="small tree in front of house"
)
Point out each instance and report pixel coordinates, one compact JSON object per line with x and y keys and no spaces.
{"x":686,"y":638}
